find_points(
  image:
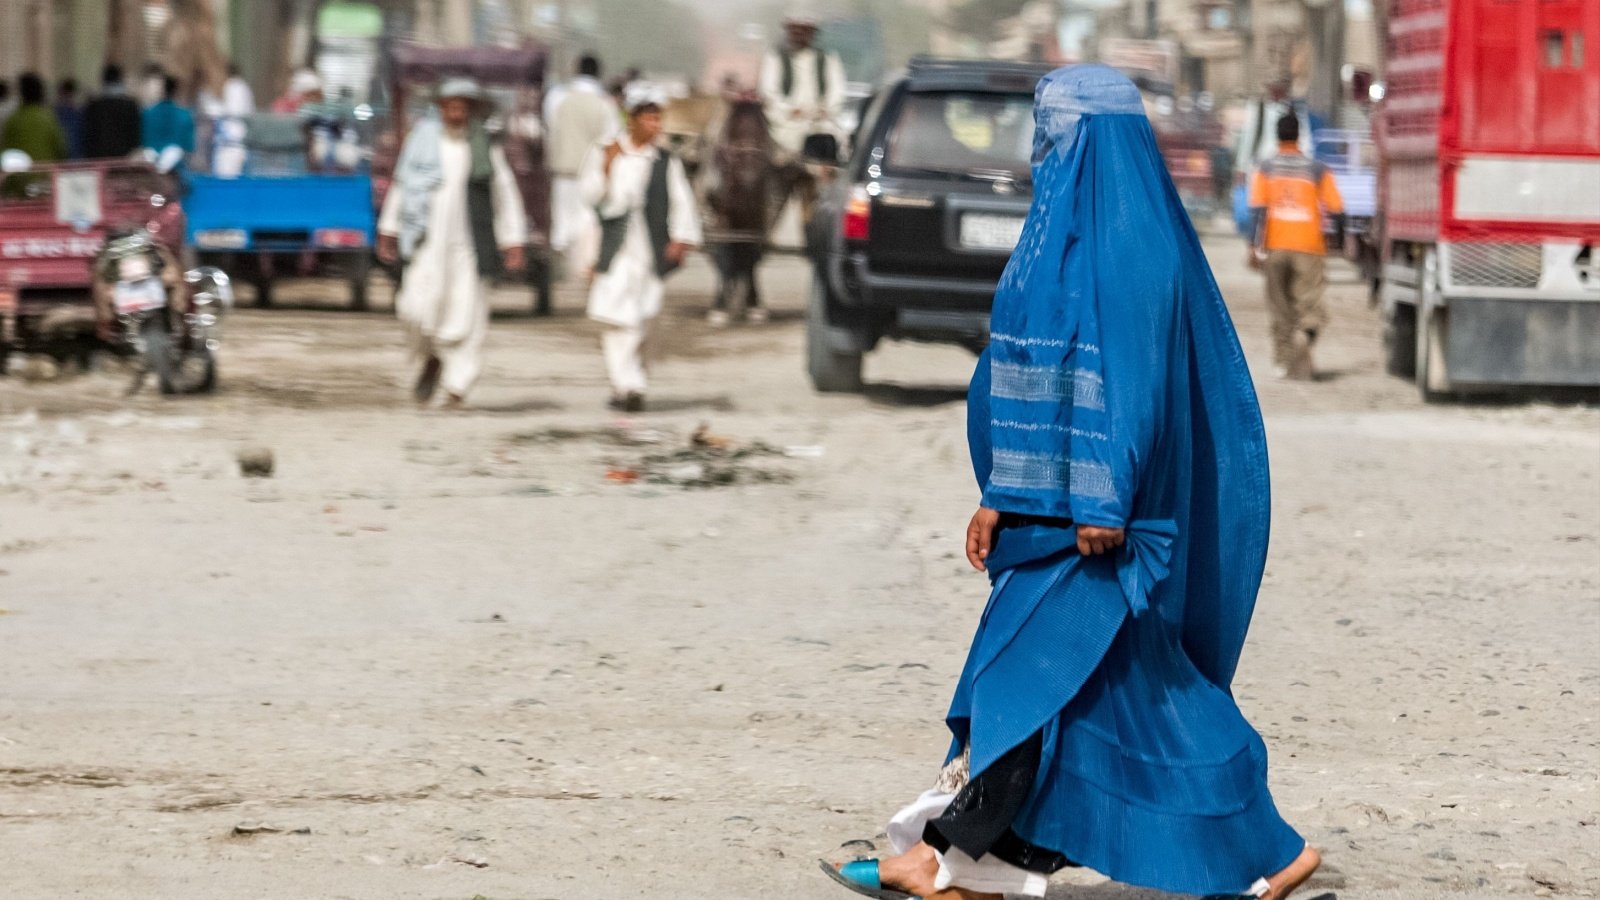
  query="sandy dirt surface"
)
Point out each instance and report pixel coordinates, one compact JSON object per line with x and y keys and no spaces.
{"x":446,"y":656}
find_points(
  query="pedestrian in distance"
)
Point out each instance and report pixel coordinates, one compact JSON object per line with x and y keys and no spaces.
{"x":112,"y":122}
{"x":578,"y":115}
{"x":1291,"y":196}
{"x":33,"y":128}
{"x":803,"y":88}
{"x":453,"y":219}
{"x":167,"y":124}
{"x":1121,"y":458}
{"x":648,"y":223}
{"x":70,"y":116}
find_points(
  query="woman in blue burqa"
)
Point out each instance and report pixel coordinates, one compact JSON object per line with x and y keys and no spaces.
{"x":1117,"y":440}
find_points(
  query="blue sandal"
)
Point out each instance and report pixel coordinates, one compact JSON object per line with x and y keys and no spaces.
{"x":861,"y":876}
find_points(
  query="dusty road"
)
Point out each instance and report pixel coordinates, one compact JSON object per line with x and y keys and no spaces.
{"x":444,"y":656}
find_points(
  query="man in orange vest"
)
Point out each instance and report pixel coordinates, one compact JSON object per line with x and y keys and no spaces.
{"x":1290,"y":197}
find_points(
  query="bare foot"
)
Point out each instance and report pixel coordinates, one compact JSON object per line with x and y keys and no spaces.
{"x":455,"y":401}
{"x":1283,"y":883}
{"x":956,"y":893}
{"x":913,"y":871}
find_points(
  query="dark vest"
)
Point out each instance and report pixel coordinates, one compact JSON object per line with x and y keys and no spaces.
{"x":787,"y":84}
{"x":657,"y":206}
{"x":480,"y":204}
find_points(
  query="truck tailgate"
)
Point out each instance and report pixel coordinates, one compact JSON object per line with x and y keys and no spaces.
{"x":259,"y":213}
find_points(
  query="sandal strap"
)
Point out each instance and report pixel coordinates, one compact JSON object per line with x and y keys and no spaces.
{"x":863,"y":872}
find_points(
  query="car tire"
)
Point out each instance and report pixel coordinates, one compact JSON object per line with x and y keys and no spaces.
{"x":1400,"y":341}
{"x":832,"y":371}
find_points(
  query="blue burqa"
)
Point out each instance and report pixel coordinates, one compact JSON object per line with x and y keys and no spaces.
{"x":1114,"y":393}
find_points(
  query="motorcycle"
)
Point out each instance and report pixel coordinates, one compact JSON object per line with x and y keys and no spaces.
{"x":168,"y":323}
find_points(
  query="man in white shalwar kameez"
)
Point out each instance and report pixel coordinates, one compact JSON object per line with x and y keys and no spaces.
{"x":803,"y":89}
{"x":648,"y":222}
{"x":454,"y":216}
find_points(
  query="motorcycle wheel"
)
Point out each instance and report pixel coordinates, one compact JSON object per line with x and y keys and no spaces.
{"x":158,"y":350}
{"x":189,"y":372}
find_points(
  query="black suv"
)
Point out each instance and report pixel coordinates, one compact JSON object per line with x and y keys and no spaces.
{"x":910,"y":239}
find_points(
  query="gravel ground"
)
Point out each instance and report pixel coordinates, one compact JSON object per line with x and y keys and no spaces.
{"x":531,"y":650}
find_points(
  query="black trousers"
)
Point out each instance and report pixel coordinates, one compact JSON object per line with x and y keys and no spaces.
{"x":978,"y":821}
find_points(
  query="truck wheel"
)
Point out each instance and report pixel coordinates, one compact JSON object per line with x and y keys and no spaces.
{"x":1400,"y":341}
{"x":360,"y":270}
{"x":832,"y":371}
{"x":1433,"y":378}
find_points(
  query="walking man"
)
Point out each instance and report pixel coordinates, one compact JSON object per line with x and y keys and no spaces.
{"x":453,"y":218}
{"x":1289,"y":196}
{"x":579,"y":115}
{"x":166,"y":124}
{"x":111,"y":121}
{"x":648,"y":222}
{"x":803,"y":89}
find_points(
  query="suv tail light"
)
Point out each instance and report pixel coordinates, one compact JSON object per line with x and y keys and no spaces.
{"x":857,"y":222}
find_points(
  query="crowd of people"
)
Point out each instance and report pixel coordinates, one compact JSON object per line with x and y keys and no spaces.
{"x":624,"y":213}
{"x":113,"y":123}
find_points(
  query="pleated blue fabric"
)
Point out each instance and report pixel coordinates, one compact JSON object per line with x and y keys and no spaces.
{"x":1114,"y":393}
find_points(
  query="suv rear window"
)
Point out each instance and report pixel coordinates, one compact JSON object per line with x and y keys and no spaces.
{"x":956,"y":132}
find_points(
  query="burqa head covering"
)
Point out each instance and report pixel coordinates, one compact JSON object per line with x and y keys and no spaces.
{"x":1114,"y":391}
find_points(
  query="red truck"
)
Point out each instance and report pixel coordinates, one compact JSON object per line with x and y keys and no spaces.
{"x":53,"y":221}
{"x":1489,"y":188}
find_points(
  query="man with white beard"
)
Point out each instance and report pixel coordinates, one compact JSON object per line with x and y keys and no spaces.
{"x":454,"y":217}
{"x":648,"y":222}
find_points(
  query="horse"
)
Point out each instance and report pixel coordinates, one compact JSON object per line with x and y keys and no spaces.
{"x":739,"y":187}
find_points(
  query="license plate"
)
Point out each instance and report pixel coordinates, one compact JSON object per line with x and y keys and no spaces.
{"x":139,"y":296}
{"x":988,"y":231}
{"x":222,"y":239}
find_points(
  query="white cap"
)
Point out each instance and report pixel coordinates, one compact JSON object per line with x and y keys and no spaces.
{"x":641,"y":93}
{"x":305,"y":81}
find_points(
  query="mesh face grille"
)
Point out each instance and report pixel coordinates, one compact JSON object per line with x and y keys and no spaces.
{"x":1496,"y":265}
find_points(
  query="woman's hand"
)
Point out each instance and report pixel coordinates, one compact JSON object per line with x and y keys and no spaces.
{"x":1094,"y":540}
{"x":980,"y":537}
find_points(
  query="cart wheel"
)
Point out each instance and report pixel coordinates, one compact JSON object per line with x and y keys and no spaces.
{"x":542,"y":281}
{"x":361,"y":270}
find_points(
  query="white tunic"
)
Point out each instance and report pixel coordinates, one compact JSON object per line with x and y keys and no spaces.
{"x":629,"y":293}
{"x":442,"y":292}
{"x":801,"y":113}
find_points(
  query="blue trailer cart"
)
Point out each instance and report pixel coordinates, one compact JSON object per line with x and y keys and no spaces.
{"x":1353,"y":161}
{"x":285,"y":196}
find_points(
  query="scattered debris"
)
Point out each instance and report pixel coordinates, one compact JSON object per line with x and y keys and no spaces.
{"x":622,"y":476}
{"x":256,"y":462}
{"x":703,"y":439}
{"x":247,"y":829}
